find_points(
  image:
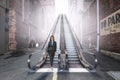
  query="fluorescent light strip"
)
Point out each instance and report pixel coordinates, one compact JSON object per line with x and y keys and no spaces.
{"x":47,"y":70}
{"x":79,"y":70}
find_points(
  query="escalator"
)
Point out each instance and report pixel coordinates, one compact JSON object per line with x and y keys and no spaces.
{"x":34,"y":60}
{"x":57,"y":39}
{"x":70,"y":48}
{"x":67,"y":43}
{"x":83,"y":57}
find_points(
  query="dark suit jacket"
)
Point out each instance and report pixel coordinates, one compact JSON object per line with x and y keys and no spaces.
{"x":51,"y":48}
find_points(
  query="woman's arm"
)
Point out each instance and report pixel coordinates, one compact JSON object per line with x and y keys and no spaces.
{"x":48,"y":48}
{"x":55,"y":46}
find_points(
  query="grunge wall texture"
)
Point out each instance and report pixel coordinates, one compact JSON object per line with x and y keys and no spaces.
{"x":3,"y":28}
{"x":90,"y":26}
{"x":109,"y":42}
{"x":31,"y":22}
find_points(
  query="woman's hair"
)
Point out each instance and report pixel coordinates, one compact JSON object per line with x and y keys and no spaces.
{"x":52,"y":37}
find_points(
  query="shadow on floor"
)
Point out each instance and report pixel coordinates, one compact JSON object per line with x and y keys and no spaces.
{"x":43,"y":76}
{"x":15,"y":54}
{"x":1,"y":54}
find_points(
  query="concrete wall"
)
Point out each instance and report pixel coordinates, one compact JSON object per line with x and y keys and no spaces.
{"x":3,"y":27}
{"x":2,"y":30}
{"x":90,"y":26}
{"x":107,"y":7}
{"x":110,"y":42}
{"x":33,"y":20}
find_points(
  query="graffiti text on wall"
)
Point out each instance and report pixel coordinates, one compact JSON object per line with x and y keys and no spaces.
{"x":110,"y":24}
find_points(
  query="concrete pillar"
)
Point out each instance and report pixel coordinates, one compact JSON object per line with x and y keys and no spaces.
{"x":12,"y":30}
{"x":98,"y":28}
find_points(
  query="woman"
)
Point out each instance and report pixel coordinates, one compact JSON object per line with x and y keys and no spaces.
{"x":51,"y":49}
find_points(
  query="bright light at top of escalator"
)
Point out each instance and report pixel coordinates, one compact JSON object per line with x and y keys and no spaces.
{"x":61,"y":6}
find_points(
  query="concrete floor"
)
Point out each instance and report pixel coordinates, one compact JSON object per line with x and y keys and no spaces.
{"x":14,"y":67}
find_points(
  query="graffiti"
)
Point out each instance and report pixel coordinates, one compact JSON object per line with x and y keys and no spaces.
{"x":110,"y":23}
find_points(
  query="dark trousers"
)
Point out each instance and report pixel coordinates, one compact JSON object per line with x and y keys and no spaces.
{"x":51,"y":55}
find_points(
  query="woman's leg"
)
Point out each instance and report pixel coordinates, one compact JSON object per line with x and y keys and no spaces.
{"x":52,"y":57}
{"x":51,"y":61}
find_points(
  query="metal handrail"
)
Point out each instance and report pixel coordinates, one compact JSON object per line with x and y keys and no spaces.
{"x":52,"y":31}
{"x":81,"y":50}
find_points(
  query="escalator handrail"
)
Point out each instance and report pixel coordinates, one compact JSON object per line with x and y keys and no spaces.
{"x":51,"y":32}
{"x":44,"y":46}
{"x":81,"y":48}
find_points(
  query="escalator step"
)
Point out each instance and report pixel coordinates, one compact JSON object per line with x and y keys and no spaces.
{"x":49,"y":61}
{"x":72,"y":51}
{"x":73,"y":61}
